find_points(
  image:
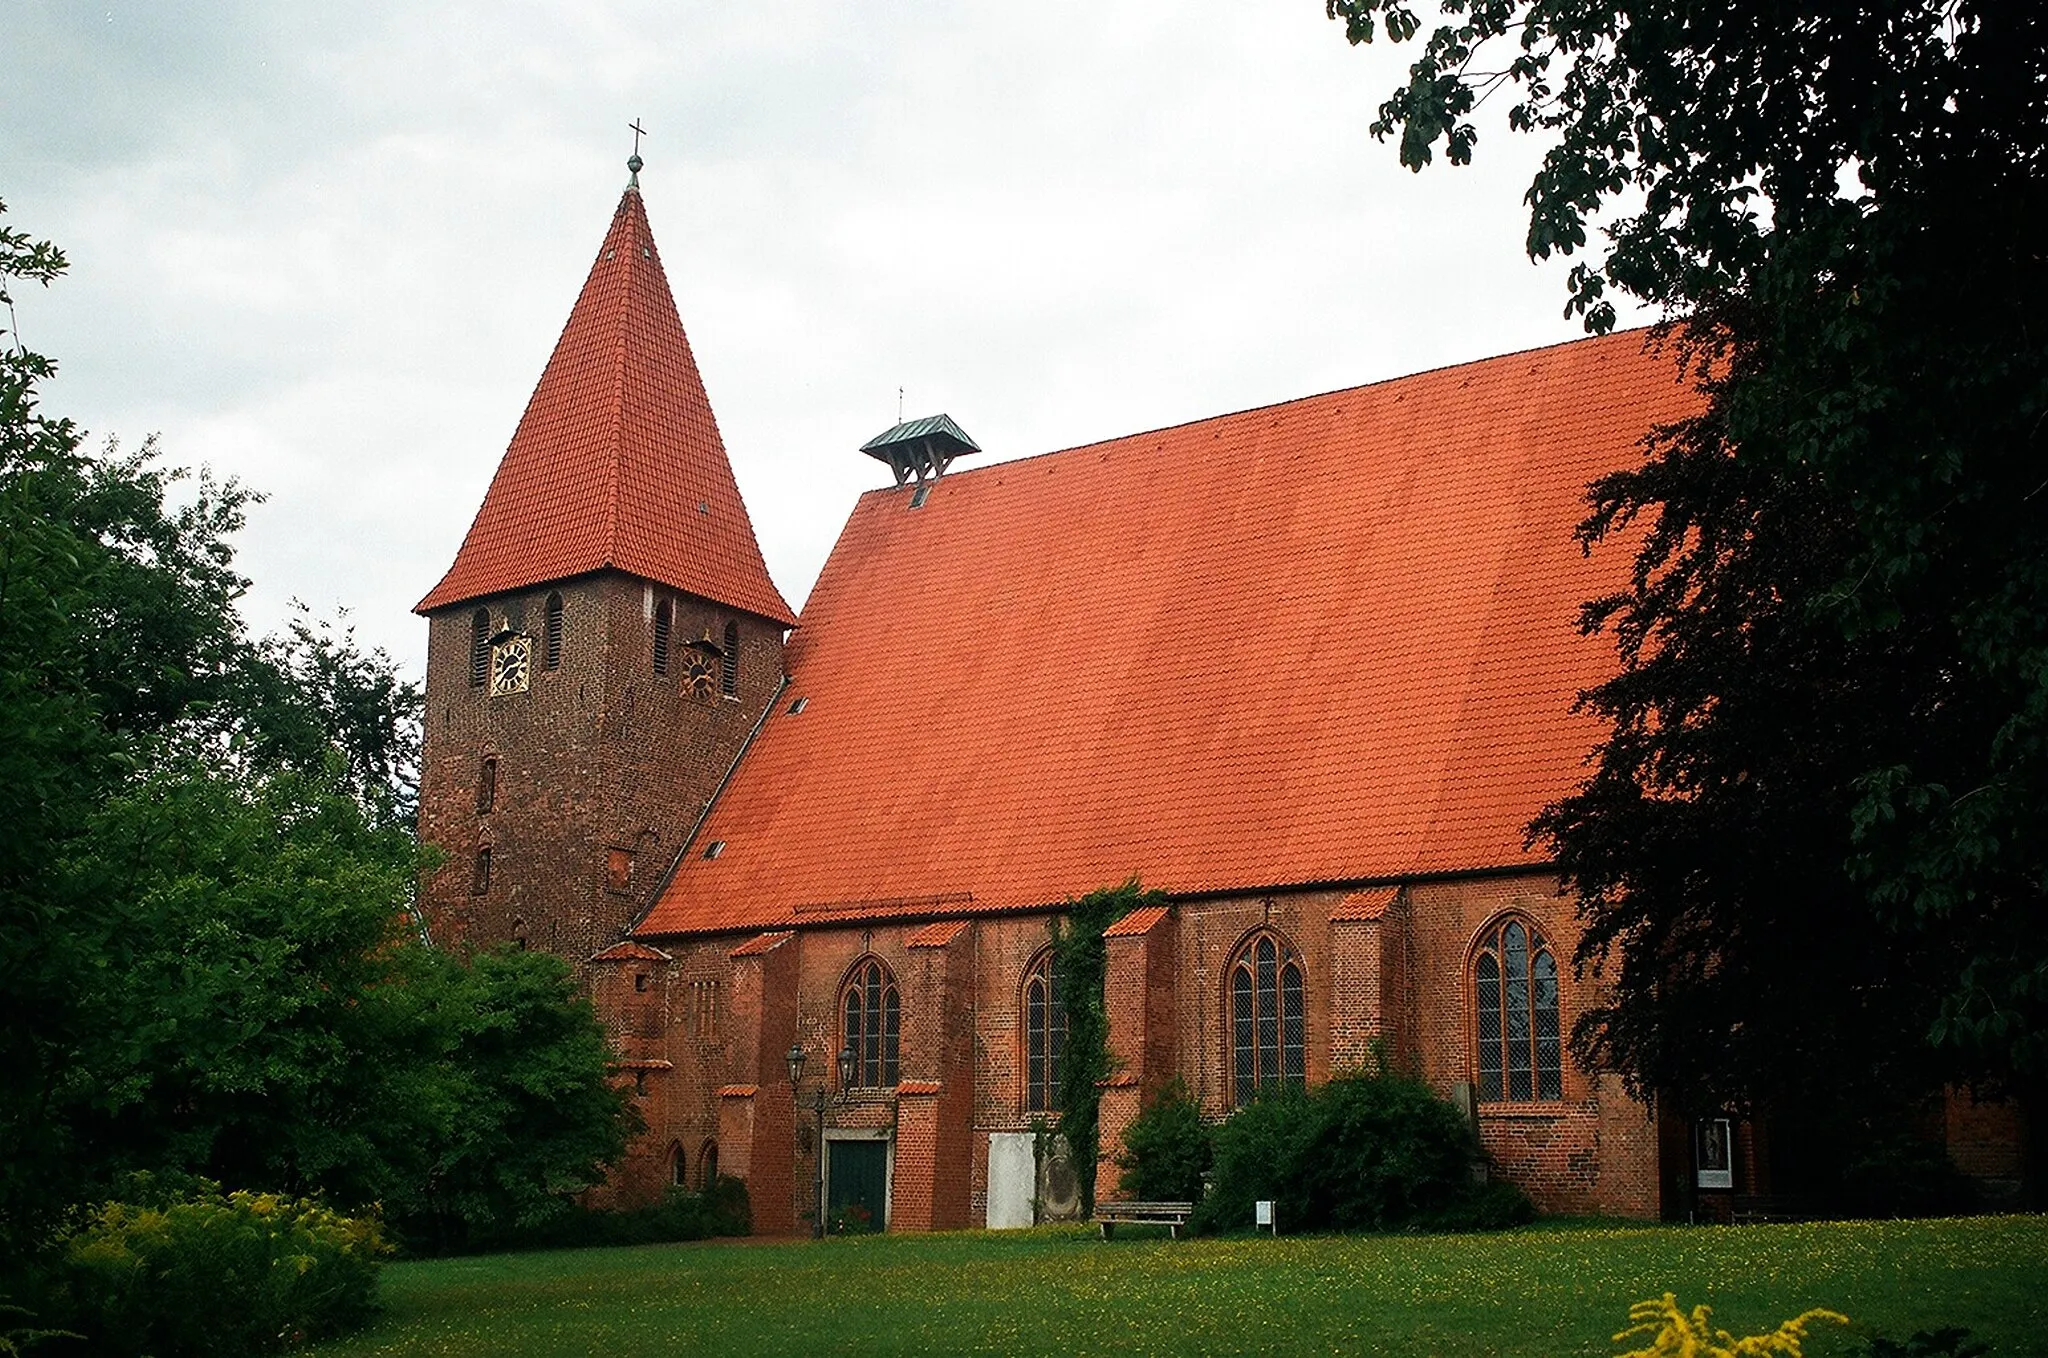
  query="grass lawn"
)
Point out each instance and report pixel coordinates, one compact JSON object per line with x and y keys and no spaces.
{"x":1553,"y":1289}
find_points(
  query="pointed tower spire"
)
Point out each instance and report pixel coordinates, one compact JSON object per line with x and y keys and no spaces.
{"x":617,"y":463}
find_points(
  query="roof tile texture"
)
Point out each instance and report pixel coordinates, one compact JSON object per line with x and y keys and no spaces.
{"x":1332,"y":640}
{"x":617,"y":462}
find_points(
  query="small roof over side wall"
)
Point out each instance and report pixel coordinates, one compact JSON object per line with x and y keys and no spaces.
{"x":1328,"y":641}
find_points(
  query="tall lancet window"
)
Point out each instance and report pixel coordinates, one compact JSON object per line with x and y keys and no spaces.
{"x":551,"y":635}
{"x":873,"y":1023}
{"x":1515,"y":1014}
{"x":479,"y":647}
{"x":1045,"y":1034}
{"x":664,"y":628}
{"x":1268,"y":1022}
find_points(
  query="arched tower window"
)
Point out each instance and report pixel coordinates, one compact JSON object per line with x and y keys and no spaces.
{"x":873,"y":1021}
{"x":729,"y":662}
{"x":479,"y":647}
{"x":1268,"y":1027}
{"x":487,"y":785}
{"x":551,"y":635}
{"x":1515,"y":1014}
{"x":1045,"y":1033}
{"x":707,"y":1165}
{"x":664,"y":624}
{"x":678,"y":1165}
{"x":480,"y":873}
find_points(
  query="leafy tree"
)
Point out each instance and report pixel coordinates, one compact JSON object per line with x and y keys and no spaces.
{"x":205,"y":937}
{"x":1813,"y":838}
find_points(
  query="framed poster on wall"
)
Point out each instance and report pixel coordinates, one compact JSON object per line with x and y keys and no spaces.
{"x":1714,"y":1154}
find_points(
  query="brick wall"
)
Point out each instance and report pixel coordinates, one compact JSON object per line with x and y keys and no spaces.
{"x":602,"y":765}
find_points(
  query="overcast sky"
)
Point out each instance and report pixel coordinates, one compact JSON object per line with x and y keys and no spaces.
{"x":327,"y":249}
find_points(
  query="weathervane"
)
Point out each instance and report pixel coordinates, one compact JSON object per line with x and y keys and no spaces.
{"x":633,"y":162}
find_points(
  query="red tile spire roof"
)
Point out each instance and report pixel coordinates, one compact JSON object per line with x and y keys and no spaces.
{"x":617,"y":462}
{"x":1330,"y":641}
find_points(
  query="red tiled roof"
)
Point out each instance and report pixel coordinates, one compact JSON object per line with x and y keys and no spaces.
{"x":1332,"y":640}
{"x":738,"y":1091}
{"x":630,"y":951}
{"x":919,"y":1087}
{"x":762,"y":943}
{"x":617,"y":462}
{"x":1366,"y":905}
{"x":934,"y":935}
{"x":1136,"y":924}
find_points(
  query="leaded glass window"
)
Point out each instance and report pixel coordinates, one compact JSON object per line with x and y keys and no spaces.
{"x":1268,"y":1024}
{"x":1520,"y":1056}
{"x":873,"y":1024}
{"x":1045,"y":1034}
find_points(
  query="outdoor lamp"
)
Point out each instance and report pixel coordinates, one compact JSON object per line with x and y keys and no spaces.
{"x":846,"y":1060}
{"x":796,"y":1062}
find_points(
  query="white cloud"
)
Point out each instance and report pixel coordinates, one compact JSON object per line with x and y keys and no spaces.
{"x":328,"y":249}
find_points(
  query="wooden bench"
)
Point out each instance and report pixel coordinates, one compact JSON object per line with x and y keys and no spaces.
{"x":1171,"y":1215}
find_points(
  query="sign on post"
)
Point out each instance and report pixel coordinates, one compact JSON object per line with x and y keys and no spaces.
{"x":1262,"y":1216}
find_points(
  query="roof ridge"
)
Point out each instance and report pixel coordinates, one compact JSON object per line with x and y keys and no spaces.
{"x":1179,"y":425}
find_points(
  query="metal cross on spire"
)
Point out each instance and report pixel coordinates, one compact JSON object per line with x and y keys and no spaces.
{"x":633,"y":162}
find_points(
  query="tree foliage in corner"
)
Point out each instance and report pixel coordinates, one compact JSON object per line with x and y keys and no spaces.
{"x":1081,"y":966}
{"x":1816,"y":837}
{"x":205,"y":880}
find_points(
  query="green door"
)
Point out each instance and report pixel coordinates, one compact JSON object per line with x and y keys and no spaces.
{"x":857,"y":1181}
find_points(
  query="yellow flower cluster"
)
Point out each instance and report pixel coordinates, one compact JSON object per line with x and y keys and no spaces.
{"x":1675,"y":1333}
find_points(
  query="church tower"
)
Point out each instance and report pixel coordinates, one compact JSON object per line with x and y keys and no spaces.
{"x":606,"y":639}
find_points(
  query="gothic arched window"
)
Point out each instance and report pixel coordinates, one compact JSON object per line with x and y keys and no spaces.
{"x":1514,"y":1014}
{"x":1045,"y":1034}
{"x":729,"y":662}
{"x":1268,"y":1028}
{"x":873,"y":1020}
{"x":664,"y":624}
{"x":479,"y":647}
{"x":551,"y":635}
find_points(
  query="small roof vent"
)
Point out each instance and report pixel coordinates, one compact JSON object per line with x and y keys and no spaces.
{"x":920,"y":449}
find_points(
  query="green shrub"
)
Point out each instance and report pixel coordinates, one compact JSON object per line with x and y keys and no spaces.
{"x":1494,"y":1206}
{"x":721,"y":1210}
{"x":1362,"y":1152}
{"x":1167,"y":1148}
{"x":1259,"y":1154}
{"x":216,"y":1274}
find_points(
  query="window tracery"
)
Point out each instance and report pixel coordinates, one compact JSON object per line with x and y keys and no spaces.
{"x":1515,"y":1007}
{"x":872,"y":1017}
{"x":1268,"y":1019}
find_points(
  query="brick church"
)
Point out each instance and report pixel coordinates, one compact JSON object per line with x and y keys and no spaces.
{"x":1308,"y":669}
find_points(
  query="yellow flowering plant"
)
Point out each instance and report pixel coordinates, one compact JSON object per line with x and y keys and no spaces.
{"x":1674,"y":1332}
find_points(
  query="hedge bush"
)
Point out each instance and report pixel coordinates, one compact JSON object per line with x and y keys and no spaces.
{"x":1167,"y":1149}
{"x":721,"y":1210}
{"x":1362,"y":1152}
{"x":215,"y":1274}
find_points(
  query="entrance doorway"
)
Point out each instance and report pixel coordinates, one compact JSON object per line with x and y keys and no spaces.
{"x":856,"y":1186}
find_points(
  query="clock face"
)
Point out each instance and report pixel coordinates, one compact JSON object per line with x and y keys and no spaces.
{"x":511,"y":665}
{"x":701,"y":673}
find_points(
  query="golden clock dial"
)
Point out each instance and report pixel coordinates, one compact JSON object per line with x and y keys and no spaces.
{"x":701,"y":674}
{"x":511,"y":665}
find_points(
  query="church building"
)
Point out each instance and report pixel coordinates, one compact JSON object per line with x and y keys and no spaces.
{"x":1307,"y":669}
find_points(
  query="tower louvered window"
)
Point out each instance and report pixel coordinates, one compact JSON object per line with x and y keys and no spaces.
{"x":1045,"y":1034}
{"x":1515,"y":1015}
{"x":873,"y":1023}
{"x":1268,"y":1022}
{"x":551,"y":635}
{"x":664,"y":625}
{"x":729,"y":662}
{"x":479,"y":647}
